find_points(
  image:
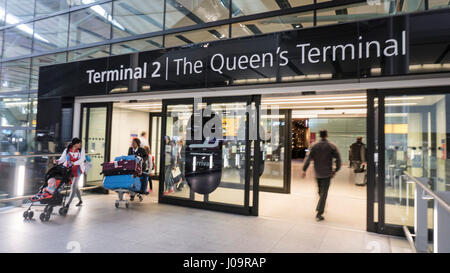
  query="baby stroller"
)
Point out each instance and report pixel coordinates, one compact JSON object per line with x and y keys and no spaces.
{"x":50,"y":193}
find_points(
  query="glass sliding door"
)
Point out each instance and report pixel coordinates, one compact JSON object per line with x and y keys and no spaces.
{"x":276,"y":148}
{"x":95,"y":132}
{"x":206,"y":154}
{"x":410,"y":138}
{"x":155,"y":139}
{"x":415,"y":142}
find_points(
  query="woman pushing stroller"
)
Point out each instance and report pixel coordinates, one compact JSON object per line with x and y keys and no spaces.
{"x":74,"y":158}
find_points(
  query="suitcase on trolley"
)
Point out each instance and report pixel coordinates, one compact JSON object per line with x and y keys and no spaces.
{"x":121,"y":165}
{"x":126,"y":182}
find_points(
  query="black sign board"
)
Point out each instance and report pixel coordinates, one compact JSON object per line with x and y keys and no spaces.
{"x":387,"y":46}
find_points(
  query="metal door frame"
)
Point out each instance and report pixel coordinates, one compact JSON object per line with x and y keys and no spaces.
{"x":246,"y":209}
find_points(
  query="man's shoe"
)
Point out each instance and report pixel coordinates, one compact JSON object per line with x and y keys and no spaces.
{"x":319,"y":218}
{"x":79,"y":203}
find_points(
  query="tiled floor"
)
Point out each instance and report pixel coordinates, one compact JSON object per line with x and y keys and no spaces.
{"x":286,"y":224}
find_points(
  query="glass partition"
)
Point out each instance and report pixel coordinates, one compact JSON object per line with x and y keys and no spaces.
{"x":91,"y":25}
{"x":273,"y":24}
{"x":94,"y":140}
{"x":134,"y":17}
{"x":245,"y":7}
{"x":416,"y":136}
{"x":181,"y":13}
{"x":206,"y":153}
{"x":274,"y":147}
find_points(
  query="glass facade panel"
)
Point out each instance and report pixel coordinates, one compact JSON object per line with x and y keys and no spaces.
{"x":51,"y":33}
{"x":18,"y":11}
{"x":47,"y":7}
{"x":17,"y":123}
{"x":177,"y":121}
{"x":91,"y":25}
{"x":94,"y":134}
{"x":2,"y":12}
{"x":15,"y":75}
{"x":75,"y":3}
{"x":197,"y":36}
{"x":438,"y":4}
{"x":416,"y":137}
{"x":273,"y":149}
{"x":135,"y":17}
{"x":88,"y":53}
{"x":137,"y":45}
{"x":245,"y":7}
{"x":354,"y":12}
{"x":273,"y":24}
{"x":181,"y":13}
{"x":231,"y":189}
{"x":41,"y":61}
{"x":17,"y":41}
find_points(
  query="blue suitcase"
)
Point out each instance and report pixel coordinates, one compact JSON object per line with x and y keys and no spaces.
{"x":125,"y":157}
{"x":126,"y":181}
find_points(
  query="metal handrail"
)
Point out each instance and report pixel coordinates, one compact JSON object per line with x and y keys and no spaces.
{"x":19,"y":198}
{"x":410,"y":239}
{"x":444,"y":204}
{"x":38,"y":155}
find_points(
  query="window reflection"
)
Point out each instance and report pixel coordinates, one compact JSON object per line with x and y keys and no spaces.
{"x":365,"y":10}
{"x":438,"y":4}
{"x":137,"y":46}
{"x":137,"y":17}
{"x":197,"y":36}
{"x":15,"y":75}
{"x":46,"y":7}
{"x":91,"y":25}
{"x":41,"y":61}
{"x":88,"y":53}
{"x":181,"y":13}
{"x":51,"y":33}
{"x":17,"y":123}
{"x":18,"y":11}
{"x":17,"y":41}
{"x":273,"y":24}
{"x":245,"y":7}
{"x":415,"y":139}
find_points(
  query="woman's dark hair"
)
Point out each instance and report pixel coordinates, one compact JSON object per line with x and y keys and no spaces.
{"x":138,"y":142}
{"x":73,"y":142}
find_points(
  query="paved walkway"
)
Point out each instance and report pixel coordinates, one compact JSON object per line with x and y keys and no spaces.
{"x":151,"y":227}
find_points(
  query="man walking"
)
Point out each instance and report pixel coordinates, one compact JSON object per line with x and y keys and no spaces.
{"x":357,"y":153}
{"x":323,"y":153}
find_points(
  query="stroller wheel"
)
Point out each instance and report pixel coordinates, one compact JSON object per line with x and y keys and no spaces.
{"x":42,"y":217}
{"x":116,"y":204}
{"x":62,"y":211}
{"x":25,"y":214}
{"x":127,"y":205}
{"x":47,"y":216}
{"x":30,"y":215}
{"x":140,"y":198}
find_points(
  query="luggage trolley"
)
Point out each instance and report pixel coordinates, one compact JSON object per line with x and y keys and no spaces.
{"x":123,"y":176}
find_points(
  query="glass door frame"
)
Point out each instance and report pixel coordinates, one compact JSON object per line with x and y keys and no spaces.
{"x":230,"y":208}
{"x":376,"y":175}
{"x":150,"y":134}
{"x":109,"y":109}
{"x":287,"y":157}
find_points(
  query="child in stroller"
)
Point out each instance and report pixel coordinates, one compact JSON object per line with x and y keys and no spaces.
{"x":50,"y":193}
